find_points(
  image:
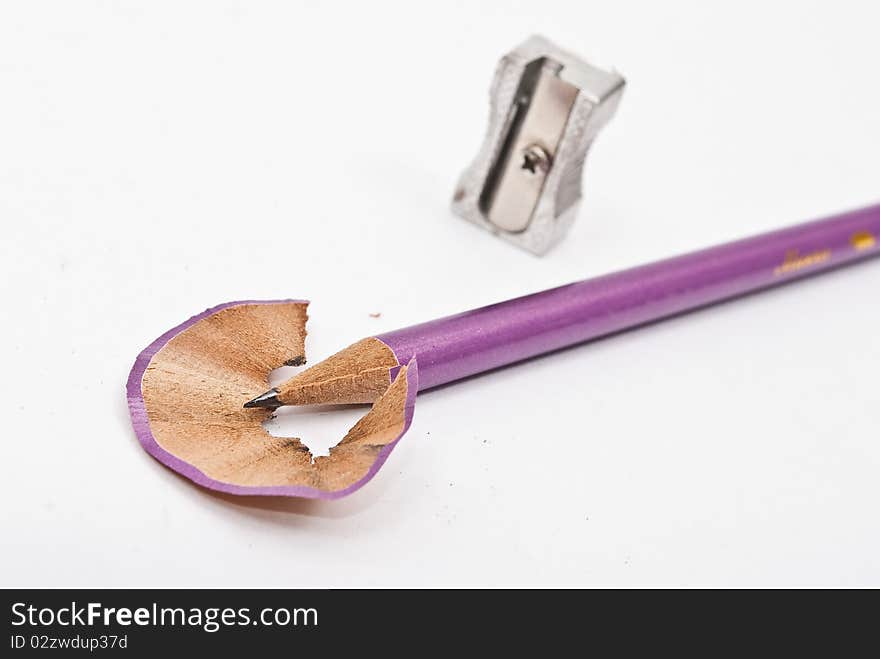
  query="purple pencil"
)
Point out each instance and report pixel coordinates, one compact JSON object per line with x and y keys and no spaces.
{"x":472,"y":342}
{"x":187,"y":388}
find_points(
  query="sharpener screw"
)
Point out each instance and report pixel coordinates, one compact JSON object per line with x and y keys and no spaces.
{"x":535,"y":160}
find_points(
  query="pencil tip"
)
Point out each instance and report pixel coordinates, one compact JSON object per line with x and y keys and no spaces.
{"x":268,"y":399}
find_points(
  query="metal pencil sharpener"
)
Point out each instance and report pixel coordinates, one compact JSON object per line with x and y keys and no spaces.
{"x":547,"y":107}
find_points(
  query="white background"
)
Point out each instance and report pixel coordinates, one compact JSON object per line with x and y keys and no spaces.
{"x":159,"y":159}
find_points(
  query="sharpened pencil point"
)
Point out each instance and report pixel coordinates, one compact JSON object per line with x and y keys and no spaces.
{"x":268,"y":399}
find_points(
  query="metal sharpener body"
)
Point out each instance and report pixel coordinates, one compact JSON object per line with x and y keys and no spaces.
{"x":546,"y":108}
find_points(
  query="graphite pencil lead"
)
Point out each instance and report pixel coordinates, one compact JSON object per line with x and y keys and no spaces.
{"x":267,"y":399}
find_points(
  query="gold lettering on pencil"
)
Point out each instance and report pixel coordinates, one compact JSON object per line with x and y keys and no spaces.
{"x":863,"y":240}
{"x":795,"y":261}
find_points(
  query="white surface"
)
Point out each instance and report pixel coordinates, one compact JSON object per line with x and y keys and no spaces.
{"x":158,"y":159}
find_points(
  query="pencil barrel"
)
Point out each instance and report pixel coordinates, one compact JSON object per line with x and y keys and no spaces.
{"x":479,"y":340}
